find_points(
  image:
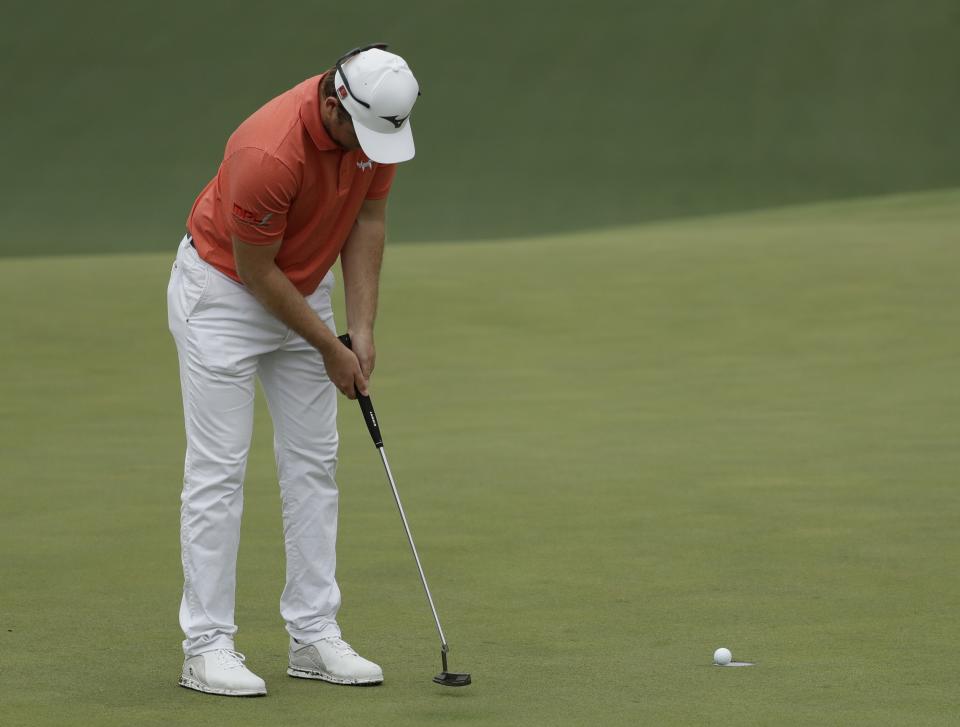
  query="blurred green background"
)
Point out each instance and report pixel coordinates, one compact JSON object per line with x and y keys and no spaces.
{"x":536,"y":117}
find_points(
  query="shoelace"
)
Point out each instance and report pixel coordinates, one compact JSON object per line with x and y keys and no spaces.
{"x":229,"y":659}
{"x":341,"y":646}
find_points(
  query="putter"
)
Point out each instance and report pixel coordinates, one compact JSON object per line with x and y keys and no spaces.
{"x":445,"y":678}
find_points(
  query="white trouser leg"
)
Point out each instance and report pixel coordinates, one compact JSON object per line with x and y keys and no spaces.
{"x":220,"y":331}
{"x":303,"y":404}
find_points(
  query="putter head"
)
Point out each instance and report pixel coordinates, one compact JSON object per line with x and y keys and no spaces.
{"x":452,"y":679}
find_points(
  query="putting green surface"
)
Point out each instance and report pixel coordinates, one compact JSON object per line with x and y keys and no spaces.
{"x":618,"y":452}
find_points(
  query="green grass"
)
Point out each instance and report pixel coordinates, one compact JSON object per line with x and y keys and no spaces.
{"x":537,"y":117}
{"x":618,"y":451}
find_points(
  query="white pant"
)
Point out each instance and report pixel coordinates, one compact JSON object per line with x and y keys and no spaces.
{"x":225,"y":338}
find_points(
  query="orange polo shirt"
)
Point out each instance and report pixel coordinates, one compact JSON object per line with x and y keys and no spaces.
{"x":284,"y":178}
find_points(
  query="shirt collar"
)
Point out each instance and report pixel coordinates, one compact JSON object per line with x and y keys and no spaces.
{"x":310,"y":115}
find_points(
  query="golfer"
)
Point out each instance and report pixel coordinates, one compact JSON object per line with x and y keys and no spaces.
{"x":303,"y":181}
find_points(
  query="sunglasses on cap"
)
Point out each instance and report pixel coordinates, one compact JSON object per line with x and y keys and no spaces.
{"x":346,"y":57}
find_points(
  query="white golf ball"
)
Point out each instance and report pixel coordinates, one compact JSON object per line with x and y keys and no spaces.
{"x":722,"y":656}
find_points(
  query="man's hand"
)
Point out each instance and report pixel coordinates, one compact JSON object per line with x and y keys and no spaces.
{"x":259,"y":272}
{"x":344,"y":370}
{"x":362,"y":344}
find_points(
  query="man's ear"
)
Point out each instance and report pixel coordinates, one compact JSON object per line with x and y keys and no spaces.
{"x":329,"y":105}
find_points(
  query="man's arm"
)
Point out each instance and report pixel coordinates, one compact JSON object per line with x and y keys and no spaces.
{"x":258,"y":270}
{"x":360,"y":261}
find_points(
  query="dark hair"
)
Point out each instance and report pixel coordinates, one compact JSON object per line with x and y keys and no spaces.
{"x":328,"y":89}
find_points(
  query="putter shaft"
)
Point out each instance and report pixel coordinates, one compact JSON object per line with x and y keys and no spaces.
{"x":416,"y":557}
{"x":445,"y":678}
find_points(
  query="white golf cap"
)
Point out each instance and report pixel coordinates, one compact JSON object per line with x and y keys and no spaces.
{"x":379,"y":94}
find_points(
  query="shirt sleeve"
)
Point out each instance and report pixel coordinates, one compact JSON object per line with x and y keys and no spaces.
{"x":256,"y":192}
{"x":382,"y":181}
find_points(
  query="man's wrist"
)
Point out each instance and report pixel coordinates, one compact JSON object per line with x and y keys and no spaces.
{"x":360,"y":331}
{"x":327,"y":343}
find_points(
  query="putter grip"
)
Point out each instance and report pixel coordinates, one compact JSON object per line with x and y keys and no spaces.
{"x":366,"y":405}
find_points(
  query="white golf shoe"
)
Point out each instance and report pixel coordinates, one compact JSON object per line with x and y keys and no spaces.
{"x":332,"y":660}
{"x":221,"y":672}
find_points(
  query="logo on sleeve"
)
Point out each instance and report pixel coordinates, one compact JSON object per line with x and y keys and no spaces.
{"x":251,"y":218}
{"x":364,"y":165}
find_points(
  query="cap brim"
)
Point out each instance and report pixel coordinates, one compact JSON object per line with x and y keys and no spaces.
{"x":386,"y":148}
